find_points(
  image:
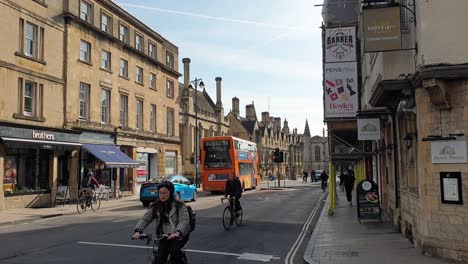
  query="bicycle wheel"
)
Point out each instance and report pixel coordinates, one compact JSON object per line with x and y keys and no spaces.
{"x":239,"y":216}
{"x":95,"y":203}
{"x":81,"y":203}
{"x":227,"y":222}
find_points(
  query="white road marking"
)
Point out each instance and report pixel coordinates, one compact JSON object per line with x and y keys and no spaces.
{"x":120,"y":220}
{"x":243,"y":256}
{"x":292,"y":252}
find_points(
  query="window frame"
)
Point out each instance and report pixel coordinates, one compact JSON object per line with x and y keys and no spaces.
{"x":126,"y":36}
{"x":90,"y":15}
{"x":154,"y":56}
{"x":170,"y":88}
{"x":32,"y":98}
{"x":170,"y":122}
{"x":139,"y":77}
{"x":153,"y":112}
{"x":141,"y":44}
{"x":109,"y":25}
{"x":34,"y":44}
{"x":169,"y":59}
{"x":139,"y":114}
{"x":88,"y":59}
{"x":105,"y":108}
{"x":124,"y":111}
{"x":125,"y":68}
{"x":109,"y":61}
{"x":87,"y":102}
{"x":152,"y":80}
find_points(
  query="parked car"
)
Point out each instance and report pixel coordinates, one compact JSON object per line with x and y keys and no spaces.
{"x":184,"y":189}
{"x":318,"y":174}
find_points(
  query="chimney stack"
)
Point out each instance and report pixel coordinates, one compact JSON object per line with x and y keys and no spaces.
{"x":235,"y":106}
{"x":186,"y":62}
{"x":218,"y":90}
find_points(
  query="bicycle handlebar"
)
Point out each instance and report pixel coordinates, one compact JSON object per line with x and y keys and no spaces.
{"x":149,"y":237}
{"x":226,"y":198}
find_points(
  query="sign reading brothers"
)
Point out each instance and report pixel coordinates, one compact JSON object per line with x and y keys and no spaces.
{"x":340,"y":44}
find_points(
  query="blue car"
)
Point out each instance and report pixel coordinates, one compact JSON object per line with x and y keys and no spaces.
{"x":184,"y":190}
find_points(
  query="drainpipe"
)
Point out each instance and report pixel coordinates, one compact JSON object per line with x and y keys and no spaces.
{"x":395,"y":160}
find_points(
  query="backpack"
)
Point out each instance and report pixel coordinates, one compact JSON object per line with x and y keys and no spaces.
{"x":192,"y":216}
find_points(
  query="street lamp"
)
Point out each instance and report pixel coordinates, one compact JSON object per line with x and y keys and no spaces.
{"x":196,"y":82}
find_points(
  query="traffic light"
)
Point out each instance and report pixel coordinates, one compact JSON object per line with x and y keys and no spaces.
{"x":281,"y":157}
{"x":276,"y":155}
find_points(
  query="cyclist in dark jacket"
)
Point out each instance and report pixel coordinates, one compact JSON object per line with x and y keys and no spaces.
{"x":233,"y":189}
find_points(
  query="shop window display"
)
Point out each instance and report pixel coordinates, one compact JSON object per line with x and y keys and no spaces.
{"x":26,"y":171}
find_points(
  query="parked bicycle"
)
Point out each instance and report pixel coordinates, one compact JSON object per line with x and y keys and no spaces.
{"x":153,"y":251}
{"x":87,"y":199}
{"x":231,"y":215}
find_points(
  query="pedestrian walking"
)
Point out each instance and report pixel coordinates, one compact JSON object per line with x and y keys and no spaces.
{"x":349,"y":185}
{"x":304,"y":176}
{"x":312,"y":176}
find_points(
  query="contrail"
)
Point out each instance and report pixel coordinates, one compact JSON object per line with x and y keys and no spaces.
{"x":223,"y":19}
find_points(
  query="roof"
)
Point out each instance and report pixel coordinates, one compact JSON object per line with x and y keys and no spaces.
{"x":249,"y":125}
{"x":306,"y":129}
{"x":204,"y":102}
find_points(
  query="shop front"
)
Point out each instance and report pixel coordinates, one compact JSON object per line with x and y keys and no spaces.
{"x":34,"y":162}
{"x":105,"y":160}
{"x":147,"y":169}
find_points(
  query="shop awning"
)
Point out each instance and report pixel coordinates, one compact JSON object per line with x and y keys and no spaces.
{"x":45,"y":144}
{"x":111,"y":156}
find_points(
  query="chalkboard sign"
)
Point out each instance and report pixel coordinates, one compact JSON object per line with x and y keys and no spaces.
{"x":368,"y":201}
{"x":62,"y":195}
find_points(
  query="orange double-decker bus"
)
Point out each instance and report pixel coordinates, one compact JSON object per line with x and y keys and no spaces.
{"x":225,"y":155}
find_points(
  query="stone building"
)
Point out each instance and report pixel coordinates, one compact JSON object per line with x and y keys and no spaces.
{"x":210,"y":119}
{"x":316,"y":154}
{"x":268,"y":134}
{"x":417,"y":91}
{"x":36,"y":151}
{"x":133,"y":70}
{"x":423,"y":91}
{"x":89,"y":78}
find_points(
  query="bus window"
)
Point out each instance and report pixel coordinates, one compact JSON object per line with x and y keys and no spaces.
{"x":245,"y":169}
{"x":217,"y":154}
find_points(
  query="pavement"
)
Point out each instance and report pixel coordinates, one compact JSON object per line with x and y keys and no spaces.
{"x":26,"y":215}
{"x":340,"y":238}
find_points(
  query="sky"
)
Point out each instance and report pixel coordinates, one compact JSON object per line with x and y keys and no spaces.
{"x":267,"y":51}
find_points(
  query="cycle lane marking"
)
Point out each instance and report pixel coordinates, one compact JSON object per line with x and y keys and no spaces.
{"x":243,"y":256}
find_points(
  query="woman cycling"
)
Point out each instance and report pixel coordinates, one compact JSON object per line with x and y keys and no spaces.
{"x":171,"y":218}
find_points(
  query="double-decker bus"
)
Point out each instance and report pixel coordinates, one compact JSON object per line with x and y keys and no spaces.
{"x":225,"y":155}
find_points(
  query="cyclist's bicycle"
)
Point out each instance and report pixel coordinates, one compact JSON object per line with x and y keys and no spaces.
{"x":154,"y":250}
{"x":86,"y":199}
{"x":230,"y":215}
{"x":324,"y":185}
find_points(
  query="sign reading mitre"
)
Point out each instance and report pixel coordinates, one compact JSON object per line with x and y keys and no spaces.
{"x":340,"y":44}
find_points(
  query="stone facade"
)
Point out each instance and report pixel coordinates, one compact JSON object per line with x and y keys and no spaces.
{"x":209,"y":116}
{"x":61,"y":74}
{"x":424,"y":93}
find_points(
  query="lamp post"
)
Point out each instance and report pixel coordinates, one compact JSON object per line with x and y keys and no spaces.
{"x":196,"y":82}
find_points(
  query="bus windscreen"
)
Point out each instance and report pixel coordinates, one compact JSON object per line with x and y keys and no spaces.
{"x":217,"y":154}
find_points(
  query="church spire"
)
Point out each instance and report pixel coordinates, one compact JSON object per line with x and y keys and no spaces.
{"x":306,"y":129}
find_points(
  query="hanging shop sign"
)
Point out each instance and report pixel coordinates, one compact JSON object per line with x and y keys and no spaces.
{"x":340,"y":44}
{"x":448,"y":151}
{"x":368,"y":129}
{"x":451,"y":187}
{"x":381,"y":28}
{"x":340,"y":90}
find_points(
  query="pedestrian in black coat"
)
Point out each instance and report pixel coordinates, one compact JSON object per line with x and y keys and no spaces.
{"x":349,"y":185}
